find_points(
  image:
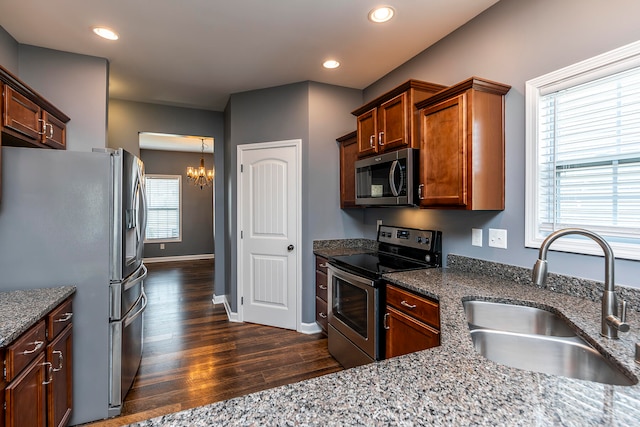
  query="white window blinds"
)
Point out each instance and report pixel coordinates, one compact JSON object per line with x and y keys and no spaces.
{"x":583,"y":152}
{"x":589,"y":156}
{"x":163,"y":207}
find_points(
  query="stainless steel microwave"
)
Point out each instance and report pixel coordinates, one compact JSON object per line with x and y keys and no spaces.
{"x":389,"y":179}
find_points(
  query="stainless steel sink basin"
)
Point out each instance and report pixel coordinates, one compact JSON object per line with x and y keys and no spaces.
{"x":537,"y":340}
{"x":515,"y":318}
{"x":569,"y":357}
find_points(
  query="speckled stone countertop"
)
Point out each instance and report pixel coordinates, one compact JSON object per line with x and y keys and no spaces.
{"x":450,"y":384}
{"x":19,"y":310}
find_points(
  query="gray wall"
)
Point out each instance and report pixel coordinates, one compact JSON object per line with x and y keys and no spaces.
{"x":77,"y":85}
{"x":197,"y":206}
{"x":127,"y":119}
{"x":513,"y":42}
{"x":8,"y":51}
{"x":317,"y":114}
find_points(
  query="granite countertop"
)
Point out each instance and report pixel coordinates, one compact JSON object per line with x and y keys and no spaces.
{"x":19,"y":310}
{"x":450,"y":384}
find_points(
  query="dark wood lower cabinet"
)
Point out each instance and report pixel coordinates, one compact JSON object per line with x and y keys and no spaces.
{"x":38,"y":379}
{"x":406,"y":335}
{"x":25,"y":396}
{"x":59,"y":390}
{"x":411,"y":322}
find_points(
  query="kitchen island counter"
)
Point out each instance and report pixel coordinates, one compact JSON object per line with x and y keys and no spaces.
{"x":21,"y":309}
{"x":452,"y":384}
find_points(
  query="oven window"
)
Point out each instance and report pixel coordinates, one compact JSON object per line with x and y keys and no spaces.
{"x":349,"y":304}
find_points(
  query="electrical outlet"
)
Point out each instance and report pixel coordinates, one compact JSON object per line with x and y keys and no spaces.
{"x":161,"y":245}
{"x":498,"y":238}
{"x":476,"y":237}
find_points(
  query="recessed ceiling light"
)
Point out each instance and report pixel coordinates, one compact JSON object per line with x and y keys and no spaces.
{"x":381,"y":14}
{"x":105,"y":33}
{"x":331,"y":63}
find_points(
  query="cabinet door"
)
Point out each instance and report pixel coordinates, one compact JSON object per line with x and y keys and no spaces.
{"x":405,"y":335}
{"x":59,"y":390}
{"x":348,"y":157}
{"x":367,"y":133}
{"x":25,"y":397}
{"x":443,"y":154}
{"x":21,"y":115}
{"x":393,"y":124}
{"x":55,"y":132}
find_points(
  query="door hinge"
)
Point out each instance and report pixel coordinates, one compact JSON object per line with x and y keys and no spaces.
{"x":241,"y":168}
{"x":241,"y":300}
{"x":241,"y":234}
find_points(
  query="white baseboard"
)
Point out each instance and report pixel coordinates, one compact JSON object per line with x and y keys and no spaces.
{"x":178,"y":258}
{"x":218,"y":299}
{"x":310,"y":328}
{"x":232,"y":316}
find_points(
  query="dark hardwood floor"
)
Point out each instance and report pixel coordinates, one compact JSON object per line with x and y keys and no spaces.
{"x":194,"y":356}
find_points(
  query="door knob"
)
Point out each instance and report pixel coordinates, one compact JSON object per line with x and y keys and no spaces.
{"x":290,"y":248}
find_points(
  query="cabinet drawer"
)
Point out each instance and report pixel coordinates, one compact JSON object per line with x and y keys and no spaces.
{"x":25,"y":349}
{"x":421,"y":308}
{"x":321,"y":264}
{"x":321,"y":285}
{"x":58,"y":319}
{"x":321,"y":313}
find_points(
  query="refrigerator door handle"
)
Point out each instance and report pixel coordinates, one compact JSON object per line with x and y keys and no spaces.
{"x":134,"y":316}
{"x":137,"y":280}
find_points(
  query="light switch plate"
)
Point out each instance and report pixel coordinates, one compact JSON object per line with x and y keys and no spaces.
{"x":498,"y":238}
{"x":476,"y":237}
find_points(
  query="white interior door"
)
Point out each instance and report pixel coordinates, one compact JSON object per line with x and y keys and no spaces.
{"x":269,"y":197}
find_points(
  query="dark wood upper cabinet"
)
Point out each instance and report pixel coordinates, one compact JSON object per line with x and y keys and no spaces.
{"x":390,"y":122}
{"x":348,"y":156}
{"x":462,"y":151}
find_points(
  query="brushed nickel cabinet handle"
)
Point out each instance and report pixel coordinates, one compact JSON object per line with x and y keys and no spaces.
{"x":384,"y":321}
{"x":323,"y":287}
{"x":381,"y":139}
{"x":37,"y":346}
{"x":321,"y":314}
{"x":409,"y":306}
{"x":371,"y":139}
{"x":66,"y":318}
{"x":45,"y":382}
{"x":60,"y":360}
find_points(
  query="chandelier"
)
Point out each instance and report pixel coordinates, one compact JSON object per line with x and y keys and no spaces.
{"x":200,"y":177}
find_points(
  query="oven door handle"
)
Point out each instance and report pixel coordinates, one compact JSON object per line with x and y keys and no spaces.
{"x":355,"y":280}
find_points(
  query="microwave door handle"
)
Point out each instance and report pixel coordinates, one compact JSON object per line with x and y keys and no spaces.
{"x":395,"y":190}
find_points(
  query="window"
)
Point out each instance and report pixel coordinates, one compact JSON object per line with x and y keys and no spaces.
{"x":164,"y":214}
{"x":583,"y":153}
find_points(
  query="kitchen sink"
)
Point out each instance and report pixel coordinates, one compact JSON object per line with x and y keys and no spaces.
{"x":537,"y":340}
{"x":515,"y":318}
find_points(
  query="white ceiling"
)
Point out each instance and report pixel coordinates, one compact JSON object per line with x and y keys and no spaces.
{"x":195,"y":53}
{"x":167,"y":142}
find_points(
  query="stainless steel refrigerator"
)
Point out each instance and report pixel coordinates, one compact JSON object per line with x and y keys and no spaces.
{"x":78,"y":218}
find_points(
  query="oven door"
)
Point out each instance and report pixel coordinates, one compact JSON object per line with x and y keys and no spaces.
{"x":353,"y":314}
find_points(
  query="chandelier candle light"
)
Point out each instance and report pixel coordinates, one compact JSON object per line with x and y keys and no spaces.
{"x":200,"y":176}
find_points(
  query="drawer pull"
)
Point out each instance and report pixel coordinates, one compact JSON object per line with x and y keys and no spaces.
{"x":384,"y":321}
{"x":50,"y":373}
{"x":409,"y":306}
{"x":323,"y":287}
{"x":60,"y":360}
{"x":66,"y":318}
{"x":321,"y":314}
{"x":325,"y":265}
{"x":38,"y":346}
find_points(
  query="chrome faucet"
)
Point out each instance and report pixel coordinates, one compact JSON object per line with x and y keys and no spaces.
{"x":611,"y":323}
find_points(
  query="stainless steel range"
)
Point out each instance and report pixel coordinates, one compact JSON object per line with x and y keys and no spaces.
{"x":356,"y":290}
